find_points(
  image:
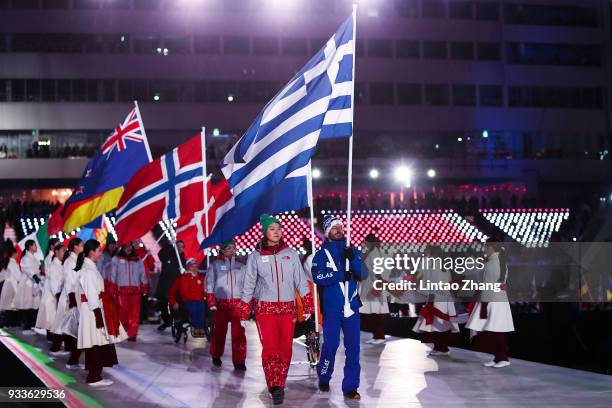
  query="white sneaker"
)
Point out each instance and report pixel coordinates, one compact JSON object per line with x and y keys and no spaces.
{"x":501,"y":364}
{"x":75,"y":366}
{"x":489,"y":363}
{"x":59,"y":353}
{"x":38,"y":331}
{"x":369,"y":341}
{"x":377,"y":341}
{"x":28,"y":332}
{"x":439,"y":353}
{"x":101,"y":383}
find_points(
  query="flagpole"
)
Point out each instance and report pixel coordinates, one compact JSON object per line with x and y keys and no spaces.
{"x":205,"y":198}
{"x":312,"y":243}
{"x":144,"y":134}
{"x":350,"y":158}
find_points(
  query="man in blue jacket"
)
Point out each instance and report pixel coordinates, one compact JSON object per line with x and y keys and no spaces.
{"x":339,"y":304}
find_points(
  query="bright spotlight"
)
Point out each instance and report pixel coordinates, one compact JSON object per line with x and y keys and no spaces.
{"x":431,"y":173}
{"x":316,"y":173}
{"x":403,"y":174}
{"x":230,"y":98}
{"x":374,"y":174}
{"x":216,"y":132}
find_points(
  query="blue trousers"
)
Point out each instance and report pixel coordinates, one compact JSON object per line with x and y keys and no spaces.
{"x":196,"y":310}
{"x":332,"y":324}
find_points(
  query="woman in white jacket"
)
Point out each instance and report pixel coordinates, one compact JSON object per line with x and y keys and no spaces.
{"x":54,"y":278}
{"x":491,"y":317}
{"x":67,"y":301}
{"x":435,"y":318}
{"x":9,"y":265}
{"x":99,"y":326}
{"x":27,"y":297}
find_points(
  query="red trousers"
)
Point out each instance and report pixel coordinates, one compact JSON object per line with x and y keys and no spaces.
{"x":223,"y":317}
{"x":495,"y":343}
{"x":276,"y":335}
{"x":129,"y":312}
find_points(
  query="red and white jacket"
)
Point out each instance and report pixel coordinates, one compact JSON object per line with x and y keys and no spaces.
{"x":127,"y":275}
{"x":224,"y":282}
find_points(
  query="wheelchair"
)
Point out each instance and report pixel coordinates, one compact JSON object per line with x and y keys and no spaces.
{"x":182,"y":328}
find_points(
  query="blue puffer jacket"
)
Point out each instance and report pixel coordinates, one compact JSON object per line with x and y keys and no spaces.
{"x":332,"y":298}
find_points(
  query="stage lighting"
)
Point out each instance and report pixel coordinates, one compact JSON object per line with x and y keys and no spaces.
{"x":216,"y":132}
{"x":374,"y":174}
{"x":403,"y":174}
{"x":485,"y":134}
{"x":230,"y":98}
{"x":316,"y":173}
{"x":431,"y":173}
{"x":156,"y":97}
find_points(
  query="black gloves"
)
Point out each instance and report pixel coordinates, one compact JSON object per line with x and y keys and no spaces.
{"x":71,"y":300}
{"x":347,"y":276}
{"x":349,"y":254}
{"x":99,"y":320}
{"x":36,"y":279}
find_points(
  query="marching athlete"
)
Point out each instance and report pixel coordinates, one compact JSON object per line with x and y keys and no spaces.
{"x":224,"y":281}
{"x":27,"y":297}
{"x":9,"y":265}
{"x":127,"y":281}
{"x":340,"y":303}
{"x":273,"y":273}
{"x":54,"y":278}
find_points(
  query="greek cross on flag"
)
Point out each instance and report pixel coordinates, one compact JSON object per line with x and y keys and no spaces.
{"x":315,"y":104}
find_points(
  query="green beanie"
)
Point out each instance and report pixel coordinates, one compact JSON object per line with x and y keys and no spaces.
{"x":110,"y":239}
{"x":266,"y":220}
{"x":227,"y":243}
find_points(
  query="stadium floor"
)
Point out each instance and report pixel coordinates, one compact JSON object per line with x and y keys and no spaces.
{"x":155,"y":372}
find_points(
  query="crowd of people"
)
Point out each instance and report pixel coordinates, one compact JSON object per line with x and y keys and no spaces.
{"x":108,"y":285}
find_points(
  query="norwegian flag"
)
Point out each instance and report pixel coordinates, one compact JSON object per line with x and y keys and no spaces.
{"x":192,"y":229}
{"x":167,"y":188}
{"x":130,"y":129}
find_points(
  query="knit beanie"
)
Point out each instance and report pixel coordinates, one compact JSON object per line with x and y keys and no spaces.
{"x":265,"y":221}
{"x":329,"y":221}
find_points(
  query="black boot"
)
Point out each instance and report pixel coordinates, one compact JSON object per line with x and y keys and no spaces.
{"x":240,"y":367}
{"x":353,"y":395}
{"x":278,"y":395}
{"x":323,"y":386}
{"x":217,"y":362}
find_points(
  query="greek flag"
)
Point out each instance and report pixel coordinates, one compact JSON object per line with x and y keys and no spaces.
{"x":315,"y":104}
{"x":267,"y":168}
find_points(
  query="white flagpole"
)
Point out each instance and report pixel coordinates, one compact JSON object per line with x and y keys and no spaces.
{"x":347,"y":311}
{"x":144,"y":134}
{"x":205,"y":198}
{"x":312,"y":242}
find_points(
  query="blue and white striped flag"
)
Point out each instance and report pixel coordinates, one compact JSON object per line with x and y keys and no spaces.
{"x":315,"y":104}
{"x":266,"y":169}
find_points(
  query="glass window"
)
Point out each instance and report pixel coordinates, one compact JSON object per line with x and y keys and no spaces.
{"x":407,"y":49}
{"x":265,"y":46}
{"x":433,"y":8}
{"x":553,"y":54}
{"x":92,"y":90}
{"x":409,"y":94}
{"x":178,"y":45}
{"x":146,"y":45}
{"x":207,"y":45}
{"x":464,"y":95}
{"x":79,"y":90}
{"x":488,"y":51}
{"x":436,"y":94}
{"x":33,"y":90}
{"x":17,"y":90}
{"x":56,"y":4}
{"x":22,"y":42}
{"x":48,"y":90}
{"x":116,"y":4}
{"x":141,"y":90}
{"x":124,"y":91}
{"x":381,"y":93}
{"x":147,"y":4}
{"x":4,"y":90}
{"x":487,"y":11}
{"x":294,"y":46}
{"x":407,"y":8}
{"x":462,"y":50}
{"x":107,"y":88}
{"x":460,"y":9}
{"x":86,"y":4}
{"x":434,"y":49}
{"x":533,"y":14}
{"x":3,"y":41}
{"x":236,"y":45}
{"x":380,"y":48}
{"x":491,"y":95}
{"x":25,"y":4}
{"x":63,"y":90}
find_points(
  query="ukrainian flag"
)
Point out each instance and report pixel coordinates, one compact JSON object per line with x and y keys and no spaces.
{"x":123,"y":153}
